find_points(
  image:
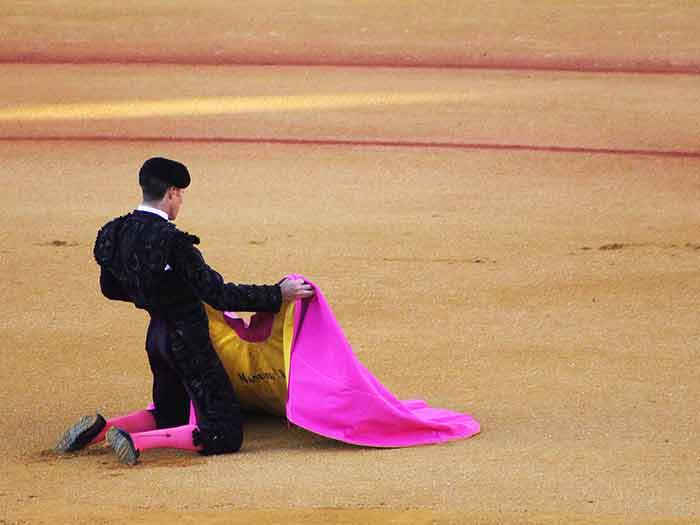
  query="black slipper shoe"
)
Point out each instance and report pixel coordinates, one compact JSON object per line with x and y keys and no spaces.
{"x":80,"y":434}
{"x":123,"y":446}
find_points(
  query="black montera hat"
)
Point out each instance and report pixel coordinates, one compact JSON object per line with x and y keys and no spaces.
{"x":167,"y":170}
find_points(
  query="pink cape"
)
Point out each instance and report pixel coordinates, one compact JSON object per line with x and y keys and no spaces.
{"x":332,"y":394}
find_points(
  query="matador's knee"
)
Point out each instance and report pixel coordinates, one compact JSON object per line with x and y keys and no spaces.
{"x":222,"y":440}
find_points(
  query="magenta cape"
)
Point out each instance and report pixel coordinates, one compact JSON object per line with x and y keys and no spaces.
{"x":332,"y":394}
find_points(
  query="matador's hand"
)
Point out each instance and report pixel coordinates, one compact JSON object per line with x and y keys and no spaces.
{"x":293,"y":289}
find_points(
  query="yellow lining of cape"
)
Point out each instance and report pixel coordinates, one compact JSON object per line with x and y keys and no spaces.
{"x":259,"y":371}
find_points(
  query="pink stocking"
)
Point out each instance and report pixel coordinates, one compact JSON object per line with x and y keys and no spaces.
{"x":142,"y":428}
{"x":136,"y":422}
{"x":193,"y":415}
{"x":176,"y":437}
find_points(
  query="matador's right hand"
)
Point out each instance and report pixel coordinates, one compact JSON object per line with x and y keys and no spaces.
{"x":293,"y":289}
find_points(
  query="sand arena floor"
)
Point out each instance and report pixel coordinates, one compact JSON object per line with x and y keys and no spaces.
{"x":520,"y":244}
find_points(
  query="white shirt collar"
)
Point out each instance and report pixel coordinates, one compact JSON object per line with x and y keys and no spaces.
{"x":149,"y":209}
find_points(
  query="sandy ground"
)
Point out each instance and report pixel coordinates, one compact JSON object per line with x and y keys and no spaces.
{"x":595,"y":34}
{"x":552,"y":294}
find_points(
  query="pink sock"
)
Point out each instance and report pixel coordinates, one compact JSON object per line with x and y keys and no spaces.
{"x":136,"y":422}
{"x":176,"y":437}
{"x":193,"y":414}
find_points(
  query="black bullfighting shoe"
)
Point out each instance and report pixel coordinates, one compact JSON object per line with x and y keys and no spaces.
{"x":123,"y":446}
{"x":80,"y":434}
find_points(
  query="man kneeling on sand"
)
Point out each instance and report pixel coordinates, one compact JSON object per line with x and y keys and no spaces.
{"x":145,"y":260}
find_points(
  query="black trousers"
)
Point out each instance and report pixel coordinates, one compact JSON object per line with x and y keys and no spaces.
{"x":186,"y":367}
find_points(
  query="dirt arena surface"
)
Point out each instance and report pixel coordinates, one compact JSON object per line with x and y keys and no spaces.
{"x":522,"y":245}
{"x":593,"y":35}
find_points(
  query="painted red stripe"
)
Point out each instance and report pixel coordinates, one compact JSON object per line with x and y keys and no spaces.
{"x":641,"y":67}
{"x":368,"y":143}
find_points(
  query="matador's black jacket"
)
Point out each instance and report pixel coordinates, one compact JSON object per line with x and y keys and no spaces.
{"x":146,"y":260}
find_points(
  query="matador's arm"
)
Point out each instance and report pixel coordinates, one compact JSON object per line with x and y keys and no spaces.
{"x":210,"y":287}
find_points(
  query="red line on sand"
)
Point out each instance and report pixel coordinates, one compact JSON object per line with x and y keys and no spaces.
{"x":370,"y":143}
{"x":602,"y":66}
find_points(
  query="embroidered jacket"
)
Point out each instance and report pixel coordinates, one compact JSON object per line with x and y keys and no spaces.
{"x":146,"y":260}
